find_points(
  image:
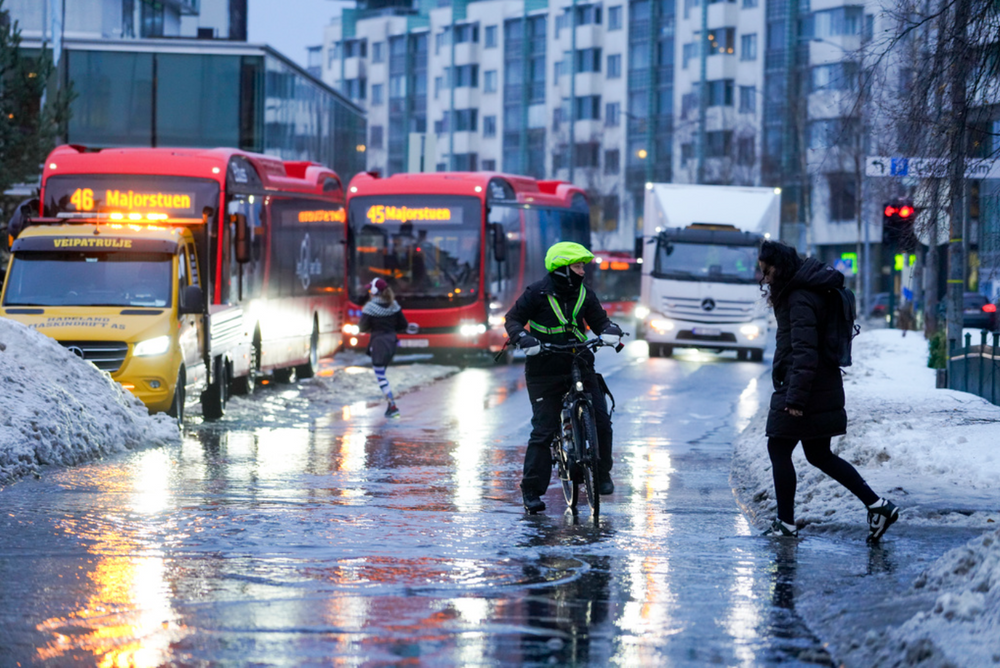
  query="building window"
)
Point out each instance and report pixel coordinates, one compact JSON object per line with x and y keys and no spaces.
{"x":463,"y":76}
{"x":465,"y":120}
{"x":438,"y":86}
{"x":588,"y":108}
{"x":609,"y":211}
{"x":720,"y":93}
{"x":489,"y":126}
{"x":378,"y":94}
{"x":490,"y":81}
{"x":378,"y":52}
{"x":491,"y":43}
{"x":356,"y":48}
{"x":355,"y":88}
{"x":688,"y":52}
{"x":722,"y":40}
{"x":489,"y":165}
{"x":468,"y":32}
{"x":745,"y":151}
{"x":612,"y":114}
{"x":612,"y":161}
{"x":588,"y":60}
{"x":441,"y":40}
{"x":832,"y":132}
{"x":844,"y":76}
{"x":748,"y":47}
{"x":375,"y":137}
{"x":748,"y":99}
{"x":464,"y":162}
{"x":615,"y":66}
{"x":588,"y":15}
{"x":615,"y":18}
{"x":843,"y":193}
{"x":749,"y":4}
{"x":835,"y":22}
{"x":151,"y":19}
{"x":718,"y":144}
{"x":687,"y":152}
{"x":587,"y":155}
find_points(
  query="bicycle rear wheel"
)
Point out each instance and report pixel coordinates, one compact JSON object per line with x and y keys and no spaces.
{"x":585,"y":436}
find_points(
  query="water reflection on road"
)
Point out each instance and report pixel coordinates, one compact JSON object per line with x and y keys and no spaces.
{"x":334,"y":536}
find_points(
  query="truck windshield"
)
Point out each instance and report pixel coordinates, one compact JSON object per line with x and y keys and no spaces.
{"x":426,"y":247}
{"x":706,"y":262}
{"x":90,"y":279}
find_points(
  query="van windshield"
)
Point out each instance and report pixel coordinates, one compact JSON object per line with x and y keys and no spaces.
{"x":90,"y":279}
{"x":706,"y":262}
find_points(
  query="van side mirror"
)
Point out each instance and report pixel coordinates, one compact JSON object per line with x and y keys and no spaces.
{"x":242,"y":238}
{"x":191,"y":300}
{"x":499,"y":243}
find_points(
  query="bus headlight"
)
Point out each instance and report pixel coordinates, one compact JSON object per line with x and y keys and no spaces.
{"x":661,"y":325}
{"x":472,"y":330}
{"x":154,"y":346}
{"x":351,"y":329}
{"x":750,"y":331}
{"x":641,"y":312}
{"x":497,"y":320}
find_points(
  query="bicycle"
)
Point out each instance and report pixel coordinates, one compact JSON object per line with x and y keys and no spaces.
{"x":575,"y":449}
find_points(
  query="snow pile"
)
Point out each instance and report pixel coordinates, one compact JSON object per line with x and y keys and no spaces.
{"x":934,"y":452}
{"x":57,"y":409}
{"x":963,"y":627}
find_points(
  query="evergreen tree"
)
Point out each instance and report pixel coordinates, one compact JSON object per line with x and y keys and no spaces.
{"x":29,"y":129}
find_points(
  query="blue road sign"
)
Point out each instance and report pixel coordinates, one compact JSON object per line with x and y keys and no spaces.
{"x":900,"y":166}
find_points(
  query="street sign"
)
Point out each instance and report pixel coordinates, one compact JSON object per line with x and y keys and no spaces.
{"x":880,"y":166}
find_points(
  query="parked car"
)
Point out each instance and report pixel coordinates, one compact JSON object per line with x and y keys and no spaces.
{"x":880,"y":305}
{"x":978,"y":312}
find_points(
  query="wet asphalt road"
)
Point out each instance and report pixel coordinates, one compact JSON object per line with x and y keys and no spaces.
{"x":289,"y":536}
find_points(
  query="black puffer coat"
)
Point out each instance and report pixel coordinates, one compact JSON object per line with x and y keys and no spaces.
{"x":803,"y":376}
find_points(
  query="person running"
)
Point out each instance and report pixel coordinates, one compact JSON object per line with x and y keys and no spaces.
{"x":555,"y":308}
{"x":808,"y":400}
{"x":383,"y":317}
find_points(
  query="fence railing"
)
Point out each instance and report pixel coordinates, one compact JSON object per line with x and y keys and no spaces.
{"x":976,"y":368}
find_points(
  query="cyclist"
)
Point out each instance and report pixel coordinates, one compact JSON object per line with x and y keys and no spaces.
{"x":556,"y":308}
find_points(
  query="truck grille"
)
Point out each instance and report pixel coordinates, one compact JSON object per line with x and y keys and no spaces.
{"x":105,"y":355}
{"x":718,"y":310}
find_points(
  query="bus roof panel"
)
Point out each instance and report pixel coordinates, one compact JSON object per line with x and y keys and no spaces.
{"x":528,"y":190}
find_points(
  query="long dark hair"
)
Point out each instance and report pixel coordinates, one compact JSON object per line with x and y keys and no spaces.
{"x":786,"y":262}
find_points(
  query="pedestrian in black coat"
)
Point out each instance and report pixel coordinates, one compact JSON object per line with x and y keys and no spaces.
{"x":808,"y":400}
{"x":383,"y":318}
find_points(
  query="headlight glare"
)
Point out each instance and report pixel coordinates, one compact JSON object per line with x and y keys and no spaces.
{"x":472,"y":330}
{"x":155,"y":346}
{"x":641,"y":312}
{"x":750,"y":331}
{"x":661,"y":325}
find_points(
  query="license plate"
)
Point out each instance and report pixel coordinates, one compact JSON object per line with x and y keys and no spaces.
{"x":970,"y":311}
{"x":706,"y":331}
{"x":413,"y":343}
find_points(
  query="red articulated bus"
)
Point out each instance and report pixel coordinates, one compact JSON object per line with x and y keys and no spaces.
{"x":184,"y":273}
{"x":457,"y":249}
{"x":616,"y":277}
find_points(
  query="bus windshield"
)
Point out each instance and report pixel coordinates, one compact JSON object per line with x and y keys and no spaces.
{"x":90,"y":279}
{"x":617,"y":284}
{"x":705,"y":262}
{"x":426,"y":247}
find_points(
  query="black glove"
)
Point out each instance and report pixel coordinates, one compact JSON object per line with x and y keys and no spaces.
{"x":529,"y":344}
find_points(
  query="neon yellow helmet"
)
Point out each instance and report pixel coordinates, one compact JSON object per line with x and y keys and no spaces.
{"x":566,"y":253}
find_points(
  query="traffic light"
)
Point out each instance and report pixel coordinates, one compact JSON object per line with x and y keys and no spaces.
{"x":898,"y":217}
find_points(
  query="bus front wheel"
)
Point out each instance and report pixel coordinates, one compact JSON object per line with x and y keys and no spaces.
{"x":213,"y":399}
{"x":308,"y":370}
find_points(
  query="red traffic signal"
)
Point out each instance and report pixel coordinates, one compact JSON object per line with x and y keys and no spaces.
{"x":905,"y":211}
{"x":901,"y":210}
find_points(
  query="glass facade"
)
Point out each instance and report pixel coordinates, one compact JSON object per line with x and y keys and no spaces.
{"x":524,"y":89}
{"x":407,"y":95}
{"x":260,"y":103}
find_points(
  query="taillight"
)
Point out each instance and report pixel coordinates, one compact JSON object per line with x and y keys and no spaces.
{"x":990,"y":308}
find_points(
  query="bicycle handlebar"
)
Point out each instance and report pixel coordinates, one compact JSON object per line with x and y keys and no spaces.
{"x":576,"y":348}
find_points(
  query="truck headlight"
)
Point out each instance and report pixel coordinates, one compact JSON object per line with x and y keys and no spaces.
{"x":472,"y":330}
{"x":351,"y":329}
{"x":155,"y":346}
{"x":750,"y":331}
{"x":641,"y":312}
{"x":661,"y":325}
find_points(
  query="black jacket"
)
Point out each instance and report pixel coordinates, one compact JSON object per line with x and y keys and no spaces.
{"x":803,"y":376}
{"x":383,"y":322}
{"x":534,"y":305}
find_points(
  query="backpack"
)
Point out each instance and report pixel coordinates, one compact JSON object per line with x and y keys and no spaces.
{"x":840,"y":327}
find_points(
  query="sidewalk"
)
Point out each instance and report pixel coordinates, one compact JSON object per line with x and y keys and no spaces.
{"x":936,"y":453}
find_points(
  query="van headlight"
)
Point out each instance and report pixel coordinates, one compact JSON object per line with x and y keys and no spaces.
{"x":750,"y":331}
{"x":154,"y":346}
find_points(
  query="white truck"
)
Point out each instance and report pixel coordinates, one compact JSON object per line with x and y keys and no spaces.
{"x":700,"y":284}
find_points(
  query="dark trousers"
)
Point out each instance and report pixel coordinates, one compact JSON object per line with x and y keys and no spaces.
{"x":546,"y":395}
{"x":817,"y":451}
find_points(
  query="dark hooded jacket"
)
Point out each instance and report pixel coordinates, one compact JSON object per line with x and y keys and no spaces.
{"x":533,"y":306}
{"x":803,"y":376}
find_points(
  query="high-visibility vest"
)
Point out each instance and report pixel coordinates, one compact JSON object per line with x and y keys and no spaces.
{"x":565,"y":324}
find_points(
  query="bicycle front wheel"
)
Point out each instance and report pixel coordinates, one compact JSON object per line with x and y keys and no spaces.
{"x":585,"y":437}
{"x":569,"y":477}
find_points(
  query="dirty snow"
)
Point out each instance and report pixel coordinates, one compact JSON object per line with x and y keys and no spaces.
{"x":936,"y":453}
{"x":57,"y":409}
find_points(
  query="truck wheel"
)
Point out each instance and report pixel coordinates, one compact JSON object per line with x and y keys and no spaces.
{"x":213,"y":399}
{"x":308,"y":370}
{"x":757,"y":355}
{"x":176,"y":409}
{"x":654,"y":350}
{"x":742,"y":354}
{"x":666,"y":351}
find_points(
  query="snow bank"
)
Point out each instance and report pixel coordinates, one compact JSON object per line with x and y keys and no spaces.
{"x":934,"y":452}
{"x":57,"y":409}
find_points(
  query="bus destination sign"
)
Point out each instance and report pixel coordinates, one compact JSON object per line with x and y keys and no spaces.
{"x":83,"y":199}
{"x":380,"y":213}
